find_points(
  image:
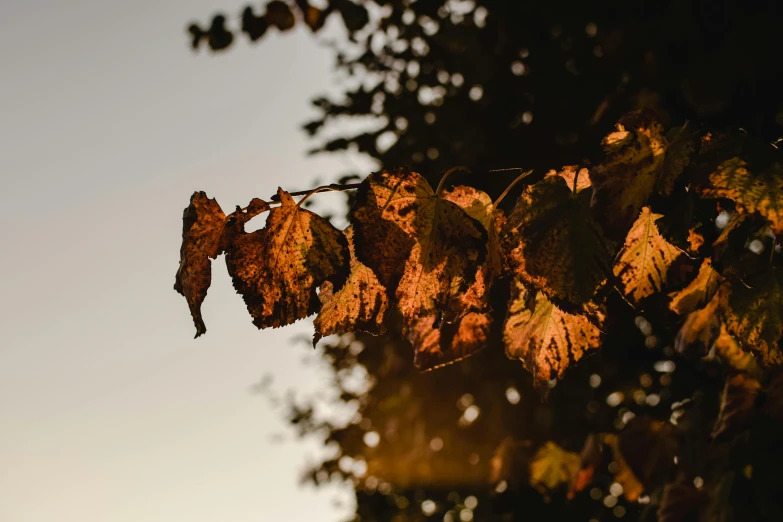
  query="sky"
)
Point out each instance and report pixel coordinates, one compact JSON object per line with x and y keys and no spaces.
{"x":110,"y":410}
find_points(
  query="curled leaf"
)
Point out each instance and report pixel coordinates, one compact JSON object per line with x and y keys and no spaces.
{"x":545,"y":338}
{"x":438,"y":345}
{"x":277,"y":269}
{"x":553,"y":244}
{"x":644,"y":259}
{"x":202,"y":229}
{"x":698,"y":292}
{"x":359,"y":306}
{"x":762,"y":192}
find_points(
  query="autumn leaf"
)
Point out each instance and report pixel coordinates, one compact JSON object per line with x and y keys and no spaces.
{"x":700,"y":329}
{"x":545,"y":338}
{"x":736,"y":407}
{"x":359,"y":306}
{"x":720,"y":244}
{"x":623,"y":475}
{"x":552,"y":467}
{"x":762,"y":192}
{"x":590,"y":460}
{"x":680,"y":502}
{"x":679,"y":149}
{"x":572,"y":174}
{"x":625,"y":180}
{"x":511,"y":461}
{"x":277,"y":269}
{"x":754,"y":314}
{"x":698,"y":292}
{"x":649,"y":447}
{"x":551,"y":242}
{"x":644,"y":259}
{"x":202,"y":228}
{"x":731,"y":353}
{"x":423,"y":248}
{"x":438,"y":345}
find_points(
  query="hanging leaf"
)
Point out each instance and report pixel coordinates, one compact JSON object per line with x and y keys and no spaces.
{"x":625,"y":180}
{"x":359,"y":306}
{"x":732,"y":355}
{"x":644,"y":259}
{"x":553,"y":467}
{"x":278,"y":268}
{"x":202,"y":228}
{"x":731,"y":230}
{"x":543,"y":337}
{"x":736,"y":407}
{"x":423,"y":248}
{"x":649,"y":447}
{"x":680,"y":146}
{"x":762,"y":192}
{"x":699,"y":292}
{"x":438,"y":345}
{"x":754,"y":314}
{"x":701,"y":329}
{"x":280,"y":15}
{"x":552,"y":243}
{"x":572,"y":174}
{"x":623,"y":475}
{"x":590,"y":460}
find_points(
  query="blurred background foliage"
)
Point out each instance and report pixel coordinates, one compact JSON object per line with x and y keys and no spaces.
{"x":493,"y":84}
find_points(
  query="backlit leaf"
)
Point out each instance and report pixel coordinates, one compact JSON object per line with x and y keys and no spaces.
{"x":423,"y":248}
{"x":571,"y":174}
{"x":761,"y":192}
{"x":202,"y":228}
{"x":277,"y":269}
{"x":699,"y":292}
{"x":680,"y":147}
{"x":731,"y":353}
{"x":553,"y":467}
{"x":624,"y":181}
{"x":623,"y":475}
{"x":644,"y":259}
{"x":701,"y":328}
{"x":551,"y":242}
{"x":736,"y":407}
{"x":438,"y":345}
{"x":545,"y":338}
{"x":359,"y":306}
{"x":754,"y":314}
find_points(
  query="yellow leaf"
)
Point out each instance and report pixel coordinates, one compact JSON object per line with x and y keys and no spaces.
{"x":731,"y":353}
{"x":436,"y":346}
{"x":423,"y":248}
{"x":754,"y":314}
{"x":698,"y":292}
{"x":552,"y":467}
{"x":644,"y":259}
{"x":551,"y":242}
{"x":359,"y":306}
{"x":762,"y":192}
{"x":278,"y":268}
{"x":545,"y":338}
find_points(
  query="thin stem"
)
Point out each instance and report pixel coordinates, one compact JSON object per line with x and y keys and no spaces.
{"x":446,"y":175}
{"x":505,"y":192}
{"x":323,"y":188}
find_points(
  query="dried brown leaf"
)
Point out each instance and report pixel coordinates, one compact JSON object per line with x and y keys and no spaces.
{"x":731,"y":353}
{"x":700,"y":329}
{"x":736,"y":407}
{"x":573,"y":174}
{"x":623,"y":475}
{"x":551,"y":242}
{"x":644,"y":259}
{"x":277,"y":269}
{"x":648,"y":447}
{"x":545,"y":338}
{"x":448,"y":342}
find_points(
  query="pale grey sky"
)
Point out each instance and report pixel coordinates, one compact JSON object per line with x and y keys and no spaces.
{"x":109,"y":410}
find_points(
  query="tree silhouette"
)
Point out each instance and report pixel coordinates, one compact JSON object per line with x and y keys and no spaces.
{"x":493,"y":85}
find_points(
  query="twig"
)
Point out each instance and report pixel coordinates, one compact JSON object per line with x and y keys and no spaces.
{"x":446,"y":175}
{"x":505,"y":192}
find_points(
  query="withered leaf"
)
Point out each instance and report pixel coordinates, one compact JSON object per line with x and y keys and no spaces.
{"x":553,"y":467}
{"x":278,"y":268}
{"x":698,"y":292}
{"x":736,"y":407}
{"x":573,"y":174}
{"x":732,"y":355}
{"x":680,"y":502}
{"x":680,"y":147}
{"x":545,"y":338}
{"x":754,"y":315}
{"x":423,"y":248}
{"x":202,"y":229}
{"x":551,"y":242}
{"x":438,"y":345}
{"x":762,"y":192}
{"x":644,"y":259}
{"x":700,"y":329}
{"x":590,"y":460}
{"x":359,"y":306}
{"x":632,"y":488}
{"x":511,"y":461}
{"x":624,"y":181}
